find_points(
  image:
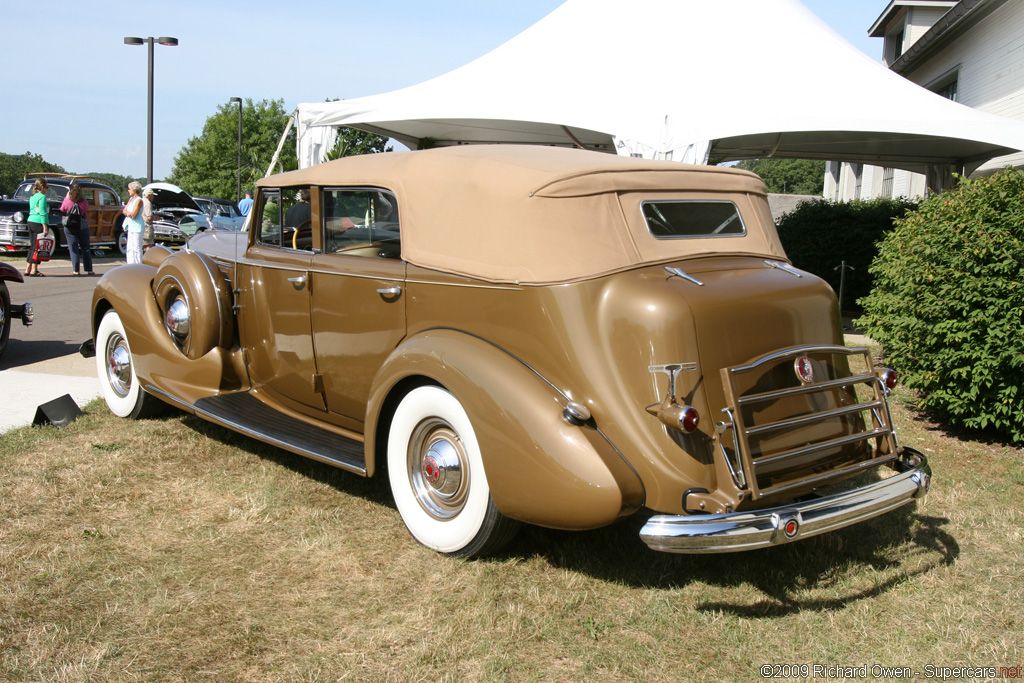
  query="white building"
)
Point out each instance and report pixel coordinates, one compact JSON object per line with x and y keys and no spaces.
{"x":971,"y":51}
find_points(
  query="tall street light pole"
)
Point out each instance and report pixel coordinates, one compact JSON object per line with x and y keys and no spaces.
{"x":238,"y":194}
{"x":163,"y":40}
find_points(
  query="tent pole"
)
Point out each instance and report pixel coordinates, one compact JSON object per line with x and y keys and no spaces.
{"x":280,"y":144}
{"x":573,"y":138}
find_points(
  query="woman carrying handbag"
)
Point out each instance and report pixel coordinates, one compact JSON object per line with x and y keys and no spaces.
{"x":76,"y":229}
{"x":38,"y":223}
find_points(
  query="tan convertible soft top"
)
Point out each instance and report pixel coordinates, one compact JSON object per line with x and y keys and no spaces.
{"x":541,"y":215}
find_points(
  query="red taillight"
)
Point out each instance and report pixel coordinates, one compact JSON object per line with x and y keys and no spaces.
{"x":889,"y":378}
{"x":689,"y":419}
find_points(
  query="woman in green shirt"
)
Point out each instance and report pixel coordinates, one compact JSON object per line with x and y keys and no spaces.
{"x":38,"y":222}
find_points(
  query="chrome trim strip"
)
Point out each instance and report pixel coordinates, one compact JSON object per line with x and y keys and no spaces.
{"x":731,"y":532}
{"x":679,"y":272}
{"x":807,"y":389}
{"x":783,"y":266}
{"x":813,"y":417}
{"x":820,"y":446}
{"x":795,"y":351}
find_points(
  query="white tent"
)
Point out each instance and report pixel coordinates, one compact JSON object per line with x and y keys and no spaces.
{"x":689,"y":80}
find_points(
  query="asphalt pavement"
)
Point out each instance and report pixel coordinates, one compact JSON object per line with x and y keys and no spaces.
{"x":42,"y":362}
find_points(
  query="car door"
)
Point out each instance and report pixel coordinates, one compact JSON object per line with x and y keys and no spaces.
{"x":108,"y":209}
{"x":358,"y":300}
{"x":277,"y":334}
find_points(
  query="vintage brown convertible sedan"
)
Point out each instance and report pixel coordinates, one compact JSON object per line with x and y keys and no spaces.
{"x":522,"y":334}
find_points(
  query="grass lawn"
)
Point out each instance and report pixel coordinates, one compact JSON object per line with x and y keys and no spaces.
{"x":174,"y":550}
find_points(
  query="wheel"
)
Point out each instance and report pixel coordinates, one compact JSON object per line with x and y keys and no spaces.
{"x":121,"y":236}
{"x":5,"y":317}
{"x":437,"y":477}
{"x":116,"y":369}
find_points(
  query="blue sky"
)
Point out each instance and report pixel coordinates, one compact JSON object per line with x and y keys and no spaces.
{"x":76,"y":94}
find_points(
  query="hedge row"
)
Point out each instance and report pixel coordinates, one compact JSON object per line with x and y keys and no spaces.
{"x":948,"y":302}
{"x":820,"y":234}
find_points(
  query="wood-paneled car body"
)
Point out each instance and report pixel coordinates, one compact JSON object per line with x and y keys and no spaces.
{"x":522,"y":334}
{"x":104,"y":215}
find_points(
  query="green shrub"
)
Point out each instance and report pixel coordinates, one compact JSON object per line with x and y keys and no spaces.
{"x":820,"y":234}
{"x":948,"y":302}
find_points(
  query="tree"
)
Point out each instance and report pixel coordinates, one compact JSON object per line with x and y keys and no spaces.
{"x":788,"y":176}
{"x":208,"y":164}
{"x":13,"y":168}
{"x":948,"y":304}
{"x":352,"y":142}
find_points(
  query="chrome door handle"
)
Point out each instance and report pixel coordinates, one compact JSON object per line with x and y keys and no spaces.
{"x":297,"y":280}
{"x":390,"y":291}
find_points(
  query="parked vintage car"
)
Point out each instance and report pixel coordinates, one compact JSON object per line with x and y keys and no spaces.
{"x":8,"y":311}
{"x":221,"y":213}
{"x":176,"y":216}
{"x":523,"y":334}
{"x":104,"y":215}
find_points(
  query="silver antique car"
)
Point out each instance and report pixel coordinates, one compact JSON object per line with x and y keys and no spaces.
{"x":519,"y":334}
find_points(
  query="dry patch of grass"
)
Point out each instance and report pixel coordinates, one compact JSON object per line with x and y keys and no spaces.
{"x":173,"y":550}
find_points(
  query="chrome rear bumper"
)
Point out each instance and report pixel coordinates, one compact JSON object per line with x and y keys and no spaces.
{"x":736,"y":531}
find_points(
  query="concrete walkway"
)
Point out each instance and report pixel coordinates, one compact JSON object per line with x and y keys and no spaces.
{"x":42,"y":362}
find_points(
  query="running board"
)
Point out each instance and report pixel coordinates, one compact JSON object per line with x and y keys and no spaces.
{"x":245,"y":413}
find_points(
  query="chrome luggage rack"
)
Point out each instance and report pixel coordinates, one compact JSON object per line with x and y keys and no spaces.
{"x":750,"y":464}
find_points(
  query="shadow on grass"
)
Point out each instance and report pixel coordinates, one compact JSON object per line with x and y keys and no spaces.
{"x":851,"y":564}
{"x":374,"y":489}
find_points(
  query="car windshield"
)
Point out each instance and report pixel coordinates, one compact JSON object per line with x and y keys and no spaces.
{"x":54,"y":193}
{"x":692,"y":218}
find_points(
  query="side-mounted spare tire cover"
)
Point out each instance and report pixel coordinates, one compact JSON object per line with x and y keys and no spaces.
{"x":194,"y":299}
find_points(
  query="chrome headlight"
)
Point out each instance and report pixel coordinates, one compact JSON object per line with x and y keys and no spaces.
{"x":19,"y":217}
{"x":178,"y":320}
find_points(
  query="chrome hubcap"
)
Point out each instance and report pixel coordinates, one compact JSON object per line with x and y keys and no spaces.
{"x":119,"y":365}
{"x":438,"y":469}
{"x":177,"y":320}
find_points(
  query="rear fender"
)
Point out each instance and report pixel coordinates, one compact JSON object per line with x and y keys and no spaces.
{"x":10,"y":273}
{"x":161,"y":367}
{"x":541,"y":469}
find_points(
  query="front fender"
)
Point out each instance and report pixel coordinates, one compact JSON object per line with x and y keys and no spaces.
{"x":160,"y":366}
{"x":541,"y":469}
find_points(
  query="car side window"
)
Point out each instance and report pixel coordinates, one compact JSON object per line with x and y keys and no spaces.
{"x":270,"y":217}
{"x":107,"y":199}
{"x":89,"y":196}
{"x":361,"y":222}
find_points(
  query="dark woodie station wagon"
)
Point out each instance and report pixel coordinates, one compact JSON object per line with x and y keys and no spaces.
{"x":517,"y":334}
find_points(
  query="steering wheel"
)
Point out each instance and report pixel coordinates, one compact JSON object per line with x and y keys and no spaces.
{"x":305,"y":225}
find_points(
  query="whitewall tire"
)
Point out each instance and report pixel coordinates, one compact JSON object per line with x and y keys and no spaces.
{"x":115,"y":367}
{"x":437,"y":477}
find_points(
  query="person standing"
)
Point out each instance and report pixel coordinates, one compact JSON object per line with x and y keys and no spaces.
{"x":38,"y":223}
{"x":76,"y":229}
{"x":133,"y":222}
{"x":147,"y":219}
{"x":245,"y":206}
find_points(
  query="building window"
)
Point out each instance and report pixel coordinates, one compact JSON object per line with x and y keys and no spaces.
{"x":888,"y":177}
{"x":893,"y":47}
{"x":947,"y":85}
{"x":948,"y":91}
